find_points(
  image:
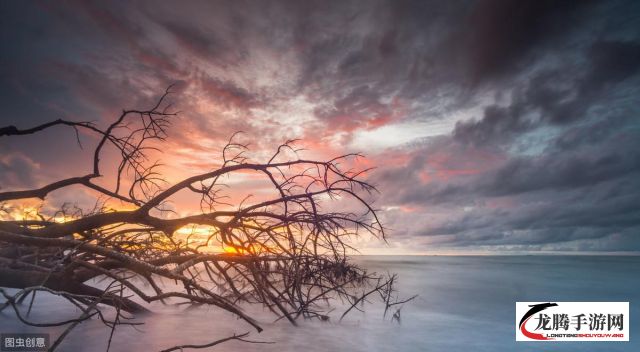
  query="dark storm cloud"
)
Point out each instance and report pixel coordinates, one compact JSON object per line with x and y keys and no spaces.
{"x":566,"y":141}
{"x":590,"y":187}
{"x":540,"y":98}
{"x":570,"y":171}
{"x":497,"y":36}
{"x":541,"y":219}
{"x":554,"y":96}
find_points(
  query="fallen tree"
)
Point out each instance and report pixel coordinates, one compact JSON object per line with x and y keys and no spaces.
{"x":285,"y":252}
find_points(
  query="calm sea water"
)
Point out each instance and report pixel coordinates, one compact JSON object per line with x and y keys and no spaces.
{"x":465,"y":303}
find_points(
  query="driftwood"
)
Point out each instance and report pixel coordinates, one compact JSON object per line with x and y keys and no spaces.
{"x":288,"y":253}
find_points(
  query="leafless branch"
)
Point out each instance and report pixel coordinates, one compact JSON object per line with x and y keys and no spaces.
{"x":288,"y":252}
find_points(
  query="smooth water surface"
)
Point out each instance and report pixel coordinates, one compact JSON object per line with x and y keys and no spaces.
{"x":465,"y":303}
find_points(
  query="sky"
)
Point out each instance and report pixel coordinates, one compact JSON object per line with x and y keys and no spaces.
{"x":496,"y":126}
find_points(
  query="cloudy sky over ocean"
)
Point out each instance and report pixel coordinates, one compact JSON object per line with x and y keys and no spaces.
{"x":495,"y":126}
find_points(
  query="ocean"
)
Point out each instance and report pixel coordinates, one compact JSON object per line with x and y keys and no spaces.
{"x":464,"y":303}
